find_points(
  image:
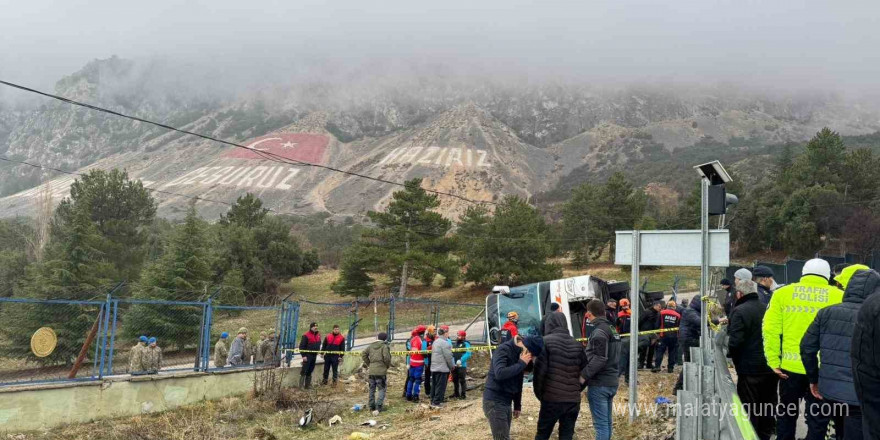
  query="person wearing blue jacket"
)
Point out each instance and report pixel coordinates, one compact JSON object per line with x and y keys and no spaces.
{"x":505,"y":381}
{"x":459,"y":374}
{"x":830,"y":337}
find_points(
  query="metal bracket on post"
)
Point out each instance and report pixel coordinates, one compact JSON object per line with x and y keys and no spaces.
{"x":635,"y":296}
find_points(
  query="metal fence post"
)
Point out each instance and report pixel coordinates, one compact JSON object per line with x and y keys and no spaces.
{"x":113,"y":337}
{"x":635,"y":296}
{"x":294,"y":327}
{"x":95,"y":362}
{"x":391,"y":312}
{"x":104,"y":327}
{"x":206,"y":334}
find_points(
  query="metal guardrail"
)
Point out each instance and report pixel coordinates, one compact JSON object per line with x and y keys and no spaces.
{"x":708,"y":406}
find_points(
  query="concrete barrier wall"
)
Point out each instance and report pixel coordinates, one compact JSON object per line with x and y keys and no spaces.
{"x":44,"y":406}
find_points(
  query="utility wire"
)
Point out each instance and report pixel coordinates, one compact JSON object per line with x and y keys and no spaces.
{"x":266,"y":155}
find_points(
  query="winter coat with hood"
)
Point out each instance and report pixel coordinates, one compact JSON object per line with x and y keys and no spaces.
{"x":377,"y":358}
{"x":830,"y":336}
{"x":744,"y":332}
{"x":441,"y":356}
{"x":690,"y":321}
{"x":558,"y":368}
{"x":866,"y":341}
{"x":504,"y":381}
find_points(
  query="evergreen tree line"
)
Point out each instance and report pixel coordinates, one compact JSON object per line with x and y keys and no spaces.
{"x":106,"y":233}
{"x":821,"y":199}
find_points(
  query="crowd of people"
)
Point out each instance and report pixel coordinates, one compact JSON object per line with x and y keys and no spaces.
{"x":777,"y":336}
{"x":243,"y":351}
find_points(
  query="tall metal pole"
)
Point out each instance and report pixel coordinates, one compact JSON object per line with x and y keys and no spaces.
{"x":634,"y":329}
{"x":704,"y":262}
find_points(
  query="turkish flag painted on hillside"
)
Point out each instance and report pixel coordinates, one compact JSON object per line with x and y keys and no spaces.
{"x":304,"y":147}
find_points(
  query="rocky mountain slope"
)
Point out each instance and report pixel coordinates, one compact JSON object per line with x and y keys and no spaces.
{"x":479,"y":139}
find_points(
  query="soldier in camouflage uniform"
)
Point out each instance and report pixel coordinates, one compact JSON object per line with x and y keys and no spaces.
{"x":267,"y":348}
{"x":250,"y":352}
{"x":258,"y":348}
{"x":136,"y":356}
{"x":152,"y":357}
{"x":220,"y":351}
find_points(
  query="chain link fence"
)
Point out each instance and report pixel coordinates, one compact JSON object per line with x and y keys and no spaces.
{"x":45,"y":340}
{"x":25,"y":353}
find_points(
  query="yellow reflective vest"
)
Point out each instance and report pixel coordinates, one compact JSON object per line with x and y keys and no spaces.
{"x":791,"y":311}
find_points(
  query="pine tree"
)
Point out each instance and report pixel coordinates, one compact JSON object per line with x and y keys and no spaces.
{"x":823,"y":161}
{"x":258,"y":245}
{"x":183,"y":271}
{"x":74,"y":269}
{"x":407,"y":234}
{"x":582,"y":219}
{"x":514,"y":250}
{"x":247,"y":211}
{"x":595,"y":212}
{"x":120,"y":209}
{"x":624,"y":206}
{"x":353,"y":277}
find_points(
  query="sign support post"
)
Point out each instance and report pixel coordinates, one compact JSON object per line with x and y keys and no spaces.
{"x":634,"y":329}
{"x":704,"y":261}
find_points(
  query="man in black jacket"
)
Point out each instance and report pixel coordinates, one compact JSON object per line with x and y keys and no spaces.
{"x":763,"y":275}
{"x":730,"y":297}
{"x":310,"y":343}
{"x":557,"y":379}
{"x":830,"y":337}
{"x":756,"y":383}
{"x":865,"y":355}
{"x":554,"y":308}
{"x":600,"y":373}
{"x":649,"y":321}
{"x":505,"y":380}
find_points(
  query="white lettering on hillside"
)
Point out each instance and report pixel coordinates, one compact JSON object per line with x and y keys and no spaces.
{"x":261,"y":177}
{"x":437,"y":157}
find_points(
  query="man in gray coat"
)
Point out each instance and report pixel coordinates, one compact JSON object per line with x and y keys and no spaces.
{"x":236,"y":351}
{"x":442,"y":363}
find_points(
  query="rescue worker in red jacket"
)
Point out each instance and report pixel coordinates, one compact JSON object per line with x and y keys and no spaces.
{"x":416,"y":363}
{"x":509,"y":329}
{"x":311,"y":341}
{"x":333,"y":342}
{"x":669,"y":318}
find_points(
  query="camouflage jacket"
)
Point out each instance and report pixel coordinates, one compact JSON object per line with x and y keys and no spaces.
{"x":267,"y":351}
{"x":220,"y":353}
{"x":136,"y":358}
{"x":152,"y":359}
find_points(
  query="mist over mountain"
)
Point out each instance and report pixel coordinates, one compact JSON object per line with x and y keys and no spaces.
{"x":481,"y":136}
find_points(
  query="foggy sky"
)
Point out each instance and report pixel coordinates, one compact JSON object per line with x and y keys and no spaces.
{"x":832,"y":45}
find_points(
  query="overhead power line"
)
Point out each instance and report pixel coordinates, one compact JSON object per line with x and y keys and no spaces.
{"x":266,"y":155}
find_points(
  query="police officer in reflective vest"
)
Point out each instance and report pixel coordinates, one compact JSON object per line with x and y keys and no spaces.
{"x":791,"y":311}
